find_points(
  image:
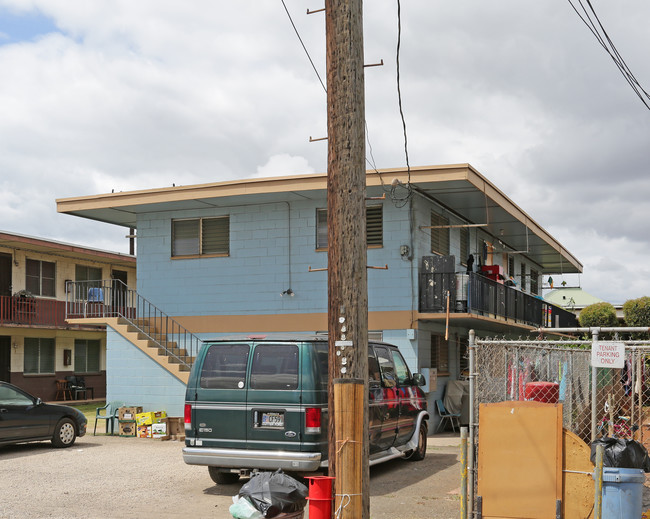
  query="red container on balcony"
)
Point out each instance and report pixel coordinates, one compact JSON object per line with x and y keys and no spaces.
{"x":493,"y":272}
{"x":548,"y":392}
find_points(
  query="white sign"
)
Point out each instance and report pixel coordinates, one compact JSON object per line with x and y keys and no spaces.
{"x":608,"y":355}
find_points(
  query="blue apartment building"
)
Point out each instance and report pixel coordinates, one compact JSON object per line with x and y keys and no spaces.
{"x":244,"y":257}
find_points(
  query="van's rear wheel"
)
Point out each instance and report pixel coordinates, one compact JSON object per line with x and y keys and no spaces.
{"x":421,"y":451}
{"x":222,"y":478}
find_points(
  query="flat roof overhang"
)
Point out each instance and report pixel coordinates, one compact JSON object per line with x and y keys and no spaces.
{"x":66,"y":250}
{"x":460,"y":189}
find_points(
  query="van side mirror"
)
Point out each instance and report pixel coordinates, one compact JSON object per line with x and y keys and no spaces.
{"x":418,"y":379}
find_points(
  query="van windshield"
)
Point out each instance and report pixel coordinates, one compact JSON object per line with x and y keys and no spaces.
{"x":224,"y":366}
{"x":275,"y":366}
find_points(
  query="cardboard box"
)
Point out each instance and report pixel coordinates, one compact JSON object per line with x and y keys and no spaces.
{"x":176,"y":426}
{"x":150,"y":417}
{"x":127,"y":428}
{"x":144,"y":431}
{"x":128,"y":413}
{"x":159,"y":430}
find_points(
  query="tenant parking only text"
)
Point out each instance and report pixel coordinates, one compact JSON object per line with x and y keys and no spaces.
{"x":608,"y":354}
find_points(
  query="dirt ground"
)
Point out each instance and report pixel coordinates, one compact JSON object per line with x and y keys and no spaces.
{"x":113,"y":477}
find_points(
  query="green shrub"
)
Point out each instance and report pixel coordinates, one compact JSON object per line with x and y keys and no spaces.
{"x":637,"y":312}
{"x":598,"y":315}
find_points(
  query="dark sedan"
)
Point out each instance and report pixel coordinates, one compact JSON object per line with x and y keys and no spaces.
{"x":25,"y":418}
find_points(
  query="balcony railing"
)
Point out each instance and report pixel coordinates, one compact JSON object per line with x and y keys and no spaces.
{"x":33,"y":311}
{"x":112,"y":298}
{"x":476,"y":294}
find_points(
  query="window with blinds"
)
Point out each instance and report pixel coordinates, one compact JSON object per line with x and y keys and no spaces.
{"x":201,"y":236}
{"x":439,"y":234}
{"x":38,"y":356}
{"x":86,"y":356}
{"x":374,"y":227}
{"x":39,"y":279}
{"x":534,"y":281}
{"x":522,"y":271}
{"x":440,"y":354}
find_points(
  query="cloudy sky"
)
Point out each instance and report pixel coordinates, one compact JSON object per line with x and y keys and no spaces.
{"x":121,"y":94}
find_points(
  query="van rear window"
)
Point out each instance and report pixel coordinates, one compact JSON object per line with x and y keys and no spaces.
{"x":275,"y":366}
{"x":224,"y":366}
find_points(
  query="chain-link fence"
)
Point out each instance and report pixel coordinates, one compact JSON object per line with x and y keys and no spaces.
{"x":596,"y":401}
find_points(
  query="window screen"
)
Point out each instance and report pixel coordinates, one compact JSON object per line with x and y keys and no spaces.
{"x":439,"y":235}
{"x":39,"y":356}
{"x":275,"y":366}
{"x":39,"y":279}
{"x":464,"y":245}
{"x":440,"y":354}
{"x":86,"y":356}
{"x":198,"y":236}
{"x":534,"y":281}
{"x":374,"y":227}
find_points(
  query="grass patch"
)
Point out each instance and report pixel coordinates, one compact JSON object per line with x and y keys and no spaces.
{"x":89,"y":410}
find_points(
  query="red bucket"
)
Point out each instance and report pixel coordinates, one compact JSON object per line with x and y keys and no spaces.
{"x":548,"y":392}
{"x":320,"y":497}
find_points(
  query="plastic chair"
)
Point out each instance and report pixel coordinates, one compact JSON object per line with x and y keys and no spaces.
{"x":110,"y":415}
{"x":446,"y":415}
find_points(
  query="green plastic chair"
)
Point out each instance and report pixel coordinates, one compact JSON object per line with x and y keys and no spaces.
{"x":107,"y":413}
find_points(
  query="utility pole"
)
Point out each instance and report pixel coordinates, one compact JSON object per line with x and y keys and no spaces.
{"x":347,"y":259}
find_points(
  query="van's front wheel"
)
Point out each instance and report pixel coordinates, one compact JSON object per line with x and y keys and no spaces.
{"x":222,"y":478}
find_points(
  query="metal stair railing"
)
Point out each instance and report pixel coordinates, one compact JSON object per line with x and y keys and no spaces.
{"x":113,"y":298}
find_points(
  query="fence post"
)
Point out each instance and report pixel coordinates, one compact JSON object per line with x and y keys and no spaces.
{"x":598,"y":490}
{"x":594,"y":387}
{"x":472,"y":421}
{"x":463,"y":473}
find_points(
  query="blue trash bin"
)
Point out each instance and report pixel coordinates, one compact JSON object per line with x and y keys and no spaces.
{"x":622,"y":493}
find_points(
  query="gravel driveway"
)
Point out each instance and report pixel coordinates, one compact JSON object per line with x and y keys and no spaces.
{"x":113,"y":477}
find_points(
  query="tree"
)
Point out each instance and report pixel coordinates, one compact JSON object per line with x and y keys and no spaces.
{"x":598,"y":315}
{"x":637,"y":312}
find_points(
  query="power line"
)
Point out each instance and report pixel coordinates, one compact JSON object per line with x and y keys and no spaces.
{"x":401,"y":111}
{"x":303,"y":46}
{"x":605,"y":41}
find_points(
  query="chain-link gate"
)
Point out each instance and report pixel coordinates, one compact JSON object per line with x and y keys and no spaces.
{"x":596,"y":401}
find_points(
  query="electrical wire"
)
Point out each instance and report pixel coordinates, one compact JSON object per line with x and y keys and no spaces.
{"x":303,"y":46}
{"x":596,"y":28}
{"x":408,"y":188}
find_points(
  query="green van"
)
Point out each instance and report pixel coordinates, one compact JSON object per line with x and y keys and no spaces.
{"x":260,"y":403}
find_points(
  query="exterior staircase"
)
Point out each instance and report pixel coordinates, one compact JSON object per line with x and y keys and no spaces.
{"x":155,"y":333}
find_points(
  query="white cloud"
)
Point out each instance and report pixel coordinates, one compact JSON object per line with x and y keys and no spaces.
{"x":284,"y":164}
{"x":132,"y":95}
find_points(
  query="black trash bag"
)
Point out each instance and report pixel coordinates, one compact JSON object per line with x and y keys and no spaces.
{"x":274,"y":492}
{"x":620,"y":453}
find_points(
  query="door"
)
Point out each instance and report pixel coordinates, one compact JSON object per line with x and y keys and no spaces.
{"x":275,"y":413}
{"x":377,"y":407}
{"x":5,"y":359}
{"x":20,"y":418}
{"x":409,"y":402}
{"x":6,"y":262}
{"x":119,"y":290}
{"x":389,"y":396}
{"x":220,"y":409}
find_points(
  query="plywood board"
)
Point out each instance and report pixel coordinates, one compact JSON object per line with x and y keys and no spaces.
{"x":520,"y":459}
{"x":578,"y":488}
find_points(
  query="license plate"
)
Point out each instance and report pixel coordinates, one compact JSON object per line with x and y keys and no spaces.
{"x":272,"y":419}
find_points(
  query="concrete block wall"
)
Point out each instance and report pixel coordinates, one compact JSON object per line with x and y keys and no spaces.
{"x":258,"y":269}
{"x":133,"y":378}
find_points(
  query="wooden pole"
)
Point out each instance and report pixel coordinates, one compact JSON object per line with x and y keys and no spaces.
{"x":348,"y":494}
{"x":346,"y":222}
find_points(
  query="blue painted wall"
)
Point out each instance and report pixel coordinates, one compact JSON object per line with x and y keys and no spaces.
{"x":132,"y":378}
